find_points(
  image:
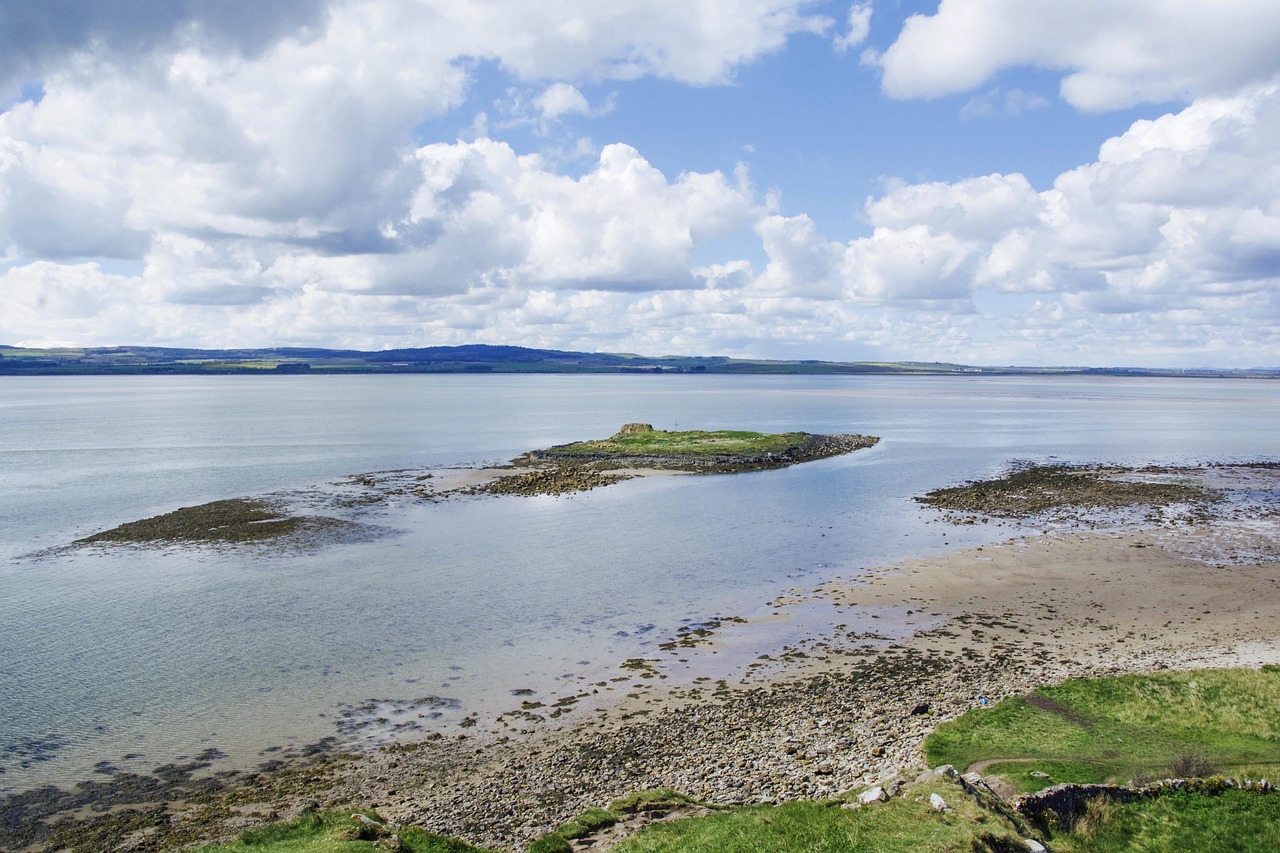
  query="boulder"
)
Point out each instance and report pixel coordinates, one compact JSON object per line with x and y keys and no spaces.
{"x":873,"y":795}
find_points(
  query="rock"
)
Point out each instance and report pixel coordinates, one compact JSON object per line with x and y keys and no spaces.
{"x":945,"y":771}
{"x":939,"y":804}
{"x":1039,"y":774}
{"x":920,"y":710}
{"x":1035,"y":846}
{"x":371,"y":829}
{"x":873,"y":795}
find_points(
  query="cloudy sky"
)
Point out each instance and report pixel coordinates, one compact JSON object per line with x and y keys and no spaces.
{"x":985,"y":181}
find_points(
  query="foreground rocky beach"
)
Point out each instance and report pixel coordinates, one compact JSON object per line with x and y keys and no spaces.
{"x":1188,"y":579}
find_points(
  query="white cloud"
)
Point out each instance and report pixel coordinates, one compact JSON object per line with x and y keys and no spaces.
{"x":1115,"y":54}
{"x":39,"y":34}
{"x":970,"y":209}
{"x":303,"y":139}
{"x":622,"y":225}
{"x":910,"y":263}
{"x":801,"y":262}
{"x":859,"y":27}
{"x":271,"y":191}
{"x":559,"y":99}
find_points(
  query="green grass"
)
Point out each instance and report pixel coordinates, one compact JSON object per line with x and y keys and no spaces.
{"x":1131,"y":727}
{"x":1226,"y":822}
{"x":652,"y":799}
{"x":657,"y":442}
{"x":587,"y":823}
{"x":332,"y":832}
{"x":902,"y":824}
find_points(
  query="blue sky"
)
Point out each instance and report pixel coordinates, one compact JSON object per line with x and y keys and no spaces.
{"x":980,"y":181}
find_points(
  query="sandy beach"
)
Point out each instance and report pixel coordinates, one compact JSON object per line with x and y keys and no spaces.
{"x":843,"y":705}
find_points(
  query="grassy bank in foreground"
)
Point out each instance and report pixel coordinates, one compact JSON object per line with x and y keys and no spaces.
{"x":1086,"y":730}
{"x":1136,"y":727}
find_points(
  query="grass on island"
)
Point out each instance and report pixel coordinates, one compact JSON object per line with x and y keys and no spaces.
{"x":1137,"y":727}
{"x":706,"y":451}
{"x":644,"y":440}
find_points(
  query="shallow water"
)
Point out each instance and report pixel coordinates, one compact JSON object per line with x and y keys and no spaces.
{"x":115,"y":651}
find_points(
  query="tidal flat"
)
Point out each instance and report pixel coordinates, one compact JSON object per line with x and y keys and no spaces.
{"x":1143,"y":588}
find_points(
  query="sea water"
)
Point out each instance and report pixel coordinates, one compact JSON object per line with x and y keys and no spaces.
{"x":129,"y":657}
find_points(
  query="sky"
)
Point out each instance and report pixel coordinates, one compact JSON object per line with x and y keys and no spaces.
{"x":992,"y":182}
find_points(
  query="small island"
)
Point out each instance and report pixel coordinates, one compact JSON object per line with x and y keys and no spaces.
{"x":634,"y":451}
{"x":638,"y":448}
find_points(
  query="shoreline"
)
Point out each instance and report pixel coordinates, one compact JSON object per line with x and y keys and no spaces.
{"x":843,"y":707}
{"x":843,"y":713}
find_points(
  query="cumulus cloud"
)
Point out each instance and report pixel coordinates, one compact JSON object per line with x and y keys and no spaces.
{"x":1115,"y":54}
{"x":801,"y":262}
{"x":859,"y":27}
{"x":305,"y":140}
{"x":265,"y":181}
{"x":1173,"y":228}
{"x":560,"y":98}
{"x":37,"y":34}
{"x":505,"y":218}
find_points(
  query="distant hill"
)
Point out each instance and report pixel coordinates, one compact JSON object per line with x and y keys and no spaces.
{"x":483,"y":358}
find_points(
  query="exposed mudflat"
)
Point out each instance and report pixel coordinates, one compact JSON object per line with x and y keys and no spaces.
{"x":1038,"y":489}
{"x":235,"y":520}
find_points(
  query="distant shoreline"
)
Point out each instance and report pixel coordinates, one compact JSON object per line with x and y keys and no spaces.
{"x":478,"y":359}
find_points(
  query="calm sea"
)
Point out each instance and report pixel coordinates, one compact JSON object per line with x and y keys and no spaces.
{"x":137,"y":656}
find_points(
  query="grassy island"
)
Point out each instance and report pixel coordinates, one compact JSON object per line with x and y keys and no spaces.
{"x":637,"y":448}
{"x":566,"y":468}
{"x":720,"y":451}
